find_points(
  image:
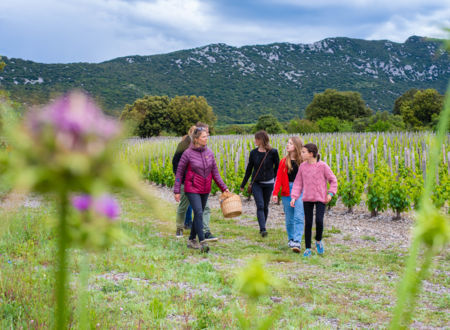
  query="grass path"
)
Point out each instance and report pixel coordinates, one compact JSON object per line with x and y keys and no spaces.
{"x":156,"y":282}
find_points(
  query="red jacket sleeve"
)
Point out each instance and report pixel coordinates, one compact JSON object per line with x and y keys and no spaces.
{"x":279,"y":178}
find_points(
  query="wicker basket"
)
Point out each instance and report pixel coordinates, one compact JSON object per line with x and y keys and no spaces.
{"x":231,"y":205}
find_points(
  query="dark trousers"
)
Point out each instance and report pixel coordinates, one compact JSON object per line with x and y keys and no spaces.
{"x":262,"y":193}
{"x":198,"y":203}
{"x":309,"y":213}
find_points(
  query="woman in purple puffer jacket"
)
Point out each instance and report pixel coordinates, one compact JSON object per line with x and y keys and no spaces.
{"x":196,"y":169}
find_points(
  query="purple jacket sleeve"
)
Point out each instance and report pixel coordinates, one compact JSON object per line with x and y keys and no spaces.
{"x":216,"y":176}
{"x":182,"y":165}
{"x":331,"y":178}
{"x":298,"y":185}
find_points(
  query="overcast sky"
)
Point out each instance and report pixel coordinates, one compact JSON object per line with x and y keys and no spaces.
{"x":62,"y":31}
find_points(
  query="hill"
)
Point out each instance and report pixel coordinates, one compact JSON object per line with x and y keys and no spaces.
{"x":243,"y":83}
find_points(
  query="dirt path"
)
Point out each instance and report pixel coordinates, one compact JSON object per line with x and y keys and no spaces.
{"x":357,"y":229}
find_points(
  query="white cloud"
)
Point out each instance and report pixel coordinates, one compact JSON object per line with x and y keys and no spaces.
{"x":381,"y":4}
{"x":398,"y":27}
{"x":98,"y":30}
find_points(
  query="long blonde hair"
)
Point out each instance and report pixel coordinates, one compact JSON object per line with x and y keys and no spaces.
{"x":298,"y":145}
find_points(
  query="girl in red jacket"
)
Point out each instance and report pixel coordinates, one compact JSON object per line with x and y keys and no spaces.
{"x":287,"y":172}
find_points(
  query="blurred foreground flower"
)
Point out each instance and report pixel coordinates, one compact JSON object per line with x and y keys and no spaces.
{"x":68,"y":149}
{"x":107,"y":206}
{"x":82,"y":202}
{"x":104,"y":205}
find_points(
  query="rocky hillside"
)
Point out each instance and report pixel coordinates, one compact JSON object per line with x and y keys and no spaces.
{"x":243,"y":83}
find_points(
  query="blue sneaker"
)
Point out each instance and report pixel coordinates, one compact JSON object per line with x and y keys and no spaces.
{"x":307,"y":253}
{"x":319,"y":247}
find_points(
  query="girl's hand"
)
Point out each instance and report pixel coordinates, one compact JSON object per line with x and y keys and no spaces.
{"x":177,"y":197}
{"x":226,"y":190}
{"x":275,"y":199}
{"x":292,"y":202}
{"x":328,"y":198}
{"x":242,"y":188}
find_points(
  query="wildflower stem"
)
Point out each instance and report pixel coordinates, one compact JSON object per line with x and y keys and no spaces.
{"x":83,"y":291}
{"x":61,"y":273}
{"x":411,"y":282}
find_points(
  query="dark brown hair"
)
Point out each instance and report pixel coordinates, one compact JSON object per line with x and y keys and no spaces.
{"x":312,"y":148}
{"x":264,"y":138}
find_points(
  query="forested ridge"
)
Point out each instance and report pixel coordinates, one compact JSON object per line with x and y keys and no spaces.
{"x":243,"y":83}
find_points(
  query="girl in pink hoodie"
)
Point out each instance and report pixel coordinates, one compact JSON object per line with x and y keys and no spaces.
{"x":312,"y":178}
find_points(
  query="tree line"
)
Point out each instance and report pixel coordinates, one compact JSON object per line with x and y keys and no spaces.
{"x":330,"y":111}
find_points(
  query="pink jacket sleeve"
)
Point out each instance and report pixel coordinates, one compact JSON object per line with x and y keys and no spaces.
{"x":331,"y":178}
{"x":298,"y":185}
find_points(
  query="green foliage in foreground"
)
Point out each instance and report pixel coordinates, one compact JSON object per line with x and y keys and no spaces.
{"x":157,"y":282}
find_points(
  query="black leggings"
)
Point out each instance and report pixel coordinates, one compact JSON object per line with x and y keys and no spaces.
{"x":262,"y":193}
{"x":198,"y":202}
{"x":309,"y":213}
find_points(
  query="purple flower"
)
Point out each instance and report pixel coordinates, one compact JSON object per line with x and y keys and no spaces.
{"x":75,"y":120}
{"x":107,"y":206}
{"x":82,"y":202}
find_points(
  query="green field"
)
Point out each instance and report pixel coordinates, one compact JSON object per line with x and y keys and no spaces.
{"x":154,"y":281}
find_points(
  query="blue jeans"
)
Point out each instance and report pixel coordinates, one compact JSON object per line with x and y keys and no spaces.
{"x":188,"y":219}
{"x":295,"y":217}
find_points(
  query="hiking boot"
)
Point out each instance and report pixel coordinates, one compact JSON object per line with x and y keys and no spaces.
{"x":264,"y":233}
{"x":319,"y":247}
{"x":193,"y":244}
{"x":179,"y":233}
{"x":204,"y":248}
{"x":307,"y":253}
{"x":290,"y":243}
{"x":296,"y":247}
{"x":210,"y":237}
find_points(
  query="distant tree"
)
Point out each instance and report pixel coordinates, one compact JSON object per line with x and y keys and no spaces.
{"x":342,"y":105}
{"x":148,"y":114}
{"x":328,"y":124}
{"x":406,"y":97}
{"x":268,"y":123}
{"x":185,"y":111}
{"x":422,"y":110}
{"x":333,"y":124}
{"x":2,"y":64}
{"x":379,"y":122}
{"x":303,"y":126}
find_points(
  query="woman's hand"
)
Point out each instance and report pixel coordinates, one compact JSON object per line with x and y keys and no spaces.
{"x":242,"y":188}
{"x":275,"y":199}
{"x":328,"y":198}
{"x":177,"y":197}
{"x":292,"y":202}
{"x":226,"y":190}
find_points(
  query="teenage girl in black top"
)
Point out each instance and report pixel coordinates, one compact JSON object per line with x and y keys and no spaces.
{"x":263,"y":183}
